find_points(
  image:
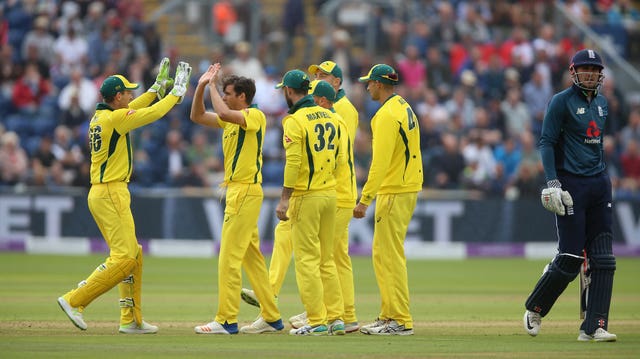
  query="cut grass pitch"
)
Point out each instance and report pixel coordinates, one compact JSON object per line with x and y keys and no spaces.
{"x":461,"y":309}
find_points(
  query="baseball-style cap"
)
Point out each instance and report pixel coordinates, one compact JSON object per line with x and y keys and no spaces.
{"x":295,"y":79}
{"x":114,"y":84}
{"x":322,"y":88}
{"x":383,"y":73}
{"x":328,"y":67}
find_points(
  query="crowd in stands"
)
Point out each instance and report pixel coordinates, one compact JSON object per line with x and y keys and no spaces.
{"x":479,"y":75}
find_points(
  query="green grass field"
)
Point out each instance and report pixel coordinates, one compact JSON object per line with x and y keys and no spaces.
{"x":461,"y":309}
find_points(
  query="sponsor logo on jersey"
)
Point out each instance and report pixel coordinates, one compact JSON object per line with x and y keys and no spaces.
{"x":131,"y":112}
{"x":581,"y":111}
{"x":593,"y":134}
{"x":287,"y":139}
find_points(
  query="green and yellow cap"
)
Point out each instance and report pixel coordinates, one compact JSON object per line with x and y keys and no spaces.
{"x":114,"y":84}
{"x":383,"y":73}
{"x":322,"y":88}
{"x":296,"y":79}
{"x":328,"y":67}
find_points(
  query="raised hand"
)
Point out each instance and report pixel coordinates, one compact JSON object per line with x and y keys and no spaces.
{"x":163,"y":80}
{"x":181,"y":80}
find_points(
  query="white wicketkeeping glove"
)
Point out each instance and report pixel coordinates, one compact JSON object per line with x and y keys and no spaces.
{"x":556,"y":200}
{"x":163,"y":81}
{"x":181,"y":80}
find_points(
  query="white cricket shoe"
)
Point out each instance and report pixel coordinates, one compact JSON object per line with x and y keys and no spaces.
{"x":318,"y":330}
{"x":249,"y":297}
{"x":74,"y":314}
{"x":532,"y":322}
{"x":391,"y":327}
{"x":262,"y":326}
{"x":376,"y":323}
{"x":135,"y":328}
{"x":217,"y":328}
{"x":600,"y":335}
{"x":299,"y":321}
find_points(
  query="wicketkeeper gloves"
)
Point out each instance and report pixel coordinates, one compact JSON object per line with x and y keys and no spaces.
{"x":556,"y":200}
{"x":163,"y":81}
{"x":181,"y":80}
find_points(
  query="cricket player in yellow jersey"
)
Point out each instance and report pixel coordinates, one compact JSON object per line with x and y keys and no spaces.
{"x":308,"y":200}
{"x":394,"y":180}
{"x":346,"y":193}
{"x":109,"y":199}
{"x":243,"y":126}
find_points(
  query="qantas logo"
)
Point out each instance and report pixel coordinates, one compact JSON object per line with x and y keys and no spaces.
{"x":131,"y":112}
{"x":287,"y":139}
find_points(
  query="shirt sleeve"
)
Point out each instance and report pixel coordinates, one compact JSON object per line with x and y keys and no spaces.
{"x":383,"y":128}
{"x":292,"y":140}
{"x":128,"y":119}
{"x":551,"y":131}
{"x":142,"y":101}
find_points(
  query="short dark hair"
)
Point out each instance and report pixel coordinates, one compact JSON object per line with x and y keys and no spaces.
{"x":240,"y":85}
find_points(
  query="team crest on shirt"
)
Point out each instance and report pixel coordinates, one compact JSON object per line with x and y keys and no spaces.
{"x":581,"y":111}
{"x":600,"y":111}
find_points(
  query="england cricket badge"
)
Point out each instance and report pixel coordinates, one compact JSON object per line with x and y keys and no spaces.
{"x":600,"y":112}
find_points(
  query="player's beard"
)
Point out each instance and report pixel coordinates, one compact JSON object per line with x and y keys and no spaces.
{"x":289,"y":100}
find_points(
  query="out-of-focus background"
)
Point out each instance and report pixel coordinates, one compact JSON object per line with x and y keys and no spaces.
{"x":479,"y":75}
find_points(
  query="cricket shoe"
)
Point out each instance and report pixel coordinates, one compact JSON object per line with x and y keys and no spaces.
{"x":376,"y":323}
{"x":249,"y":297}
{"x":299,"y":321}
{"x":74,"y":314}
{"x":135,"y":328}
{"x":351,"y":327}
{"x":391,"y":327}
{"x":217,"y":328}
{"x":262,"y":326}
{"x":318,"y":330}
{"x":336,"y":328}
{"x":532,"y":322}
{"x":600,"y":335}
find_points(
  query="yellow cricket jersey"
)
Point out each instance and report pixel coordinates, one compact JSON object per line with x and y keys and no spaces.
{"x":242,"y":147}
{"x":111,"y":148}
{"x":396,"y":163}
{"x":311,"y":145}
{"x":346,"y":190}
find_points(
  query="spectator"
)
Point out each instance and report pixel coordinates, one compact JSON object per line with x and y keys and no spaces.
{"x":39,"y":39}
{"x":70,"y":50}
{"x":516,"y":113}
{"x":536,"y":95}
{"x":631,"y":132}
{"x":14,"y":163}
{"x":448,"y":164}
{"x":82,"y":90}
{"x":244,"y":64}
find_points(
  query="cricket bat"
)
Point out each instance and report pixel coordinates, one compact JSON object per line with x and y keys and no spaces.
{"x":584,"y":286}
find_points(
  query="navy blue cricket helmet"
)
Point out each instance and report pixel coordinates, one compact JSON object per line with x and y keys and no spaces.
{"x":586,"y":57}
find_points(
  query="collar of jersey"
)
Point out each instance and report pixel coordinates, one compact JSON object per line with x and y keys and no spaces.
{"x":306,"y":101}
{"x":583,"y":92}
{"x":103,"y":106}
{"x":339,"y":95}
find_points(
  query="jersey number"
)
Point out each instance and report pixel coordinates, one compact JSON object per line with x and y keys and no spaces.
{"x":320,"y":130}
{"x":412,"y":118}
{"x":95,"y":138}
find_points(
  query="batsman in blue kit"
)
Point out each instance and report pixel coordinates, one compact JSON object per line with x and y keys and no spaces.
{"x":579,"y":193}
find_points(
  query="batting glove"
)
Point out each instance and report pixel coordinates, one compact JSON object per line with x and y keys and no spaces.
{"x":181,"y":81}
{"x":163,"y":81}
{"x":556,"y":200}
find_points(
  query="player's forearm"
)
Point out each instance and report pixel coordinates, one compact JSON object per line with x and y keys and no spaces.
{"x":286,"y":193}
{"x":224,"y":112}
{"x":142,"y":101}
{"x":198,"y":112}
{"x":148,"y":114}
